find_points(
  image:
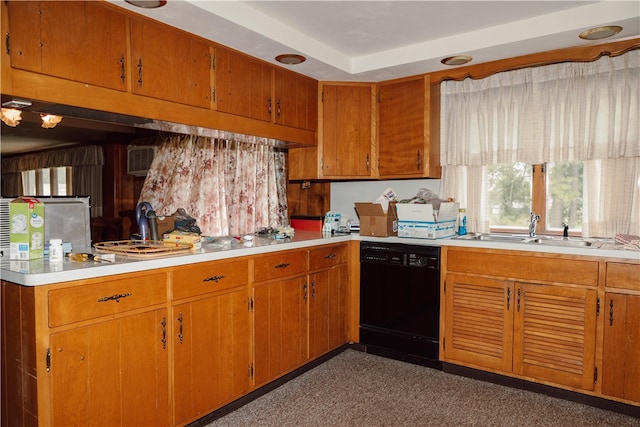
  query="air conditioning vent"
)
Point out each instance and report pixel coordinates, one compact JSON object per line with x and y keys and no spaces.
{"x":5,"y":226}
{"x":139,"y":159}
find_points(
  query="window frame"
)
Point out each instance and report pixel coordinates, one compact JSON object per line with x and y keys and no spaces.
{"x":538,"y":205}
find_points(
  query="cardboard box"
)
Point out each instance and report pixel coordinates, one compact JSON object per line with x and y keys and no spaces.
{"x":422,"y":222}
{"x":375,"y":222}
{"x":184,"y":237}
{"x":26,"y":238}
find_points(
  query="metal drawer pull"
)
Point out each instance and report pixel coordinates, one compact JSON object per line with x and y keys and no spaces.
{"x":330,"y":256}
{"x":115,"y":297}
{"x":164,"y":332}
{"x":213,"y":279}
{"x":180,"y":335}
{"x":283,"y":265}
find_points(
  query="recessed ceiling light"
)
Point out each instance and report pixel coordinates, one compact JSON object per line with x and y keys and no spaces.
{"x":600,"y":32}
{"x":147,"y":4}
{"x":456,"y":60}
{"x":290,"y":59}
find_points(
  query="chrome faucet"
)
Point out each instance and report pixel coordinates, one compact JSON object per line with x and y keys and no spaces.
{"x":533,"y":222}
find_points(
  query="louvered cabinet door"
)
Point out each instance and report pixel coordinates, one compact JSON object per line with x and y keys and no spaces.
{"x":554,"y":334}
{"x":478,"y":322}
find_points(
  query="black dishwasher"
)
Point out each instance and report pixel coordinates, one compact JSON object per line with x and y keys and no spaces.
{"x":400,"y":301}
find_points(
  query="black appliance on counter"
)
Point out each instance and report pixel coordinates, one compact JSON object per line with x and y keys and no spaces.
{"x":400,"y":301}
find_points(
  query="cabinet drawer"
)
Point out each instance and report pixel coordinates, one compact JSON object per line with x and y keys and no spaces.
{"x":281,"y":264}
{"x":327,"y":256}
{"x":623,"y":275}
{"x":106,"y":298}
{"x":208,"y":277}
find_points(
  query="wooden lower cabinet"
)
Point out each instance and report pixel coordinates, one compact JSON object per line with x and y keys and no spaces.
{"x":555,"y":333}
{"x":212,"y":353}
{"x":327,"y":310}
{"x":621,"y":352}
{"x":112,"y":373}
{"x":167,"y":346}
{"x":538,"y":331}
{"x":280,"y":327}
{"x":479,"y":321}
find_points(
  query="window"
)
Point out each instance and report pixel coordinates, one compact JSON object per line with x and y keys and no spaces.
{"x":553,"y":190}
{"x":564,"y":137}
{"x":47,"y":182}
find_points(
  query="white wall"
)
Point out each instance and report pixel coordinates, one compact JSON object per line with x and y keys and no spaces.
{"x":345,"y":194}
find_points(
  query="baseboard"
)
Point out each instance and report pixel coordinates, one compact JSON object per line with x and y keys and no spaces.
{"x":598,"y":402}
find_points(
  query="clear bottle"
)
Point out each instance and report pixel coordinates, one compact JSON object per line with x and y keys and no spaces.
{"x":56,"y":254}
{"x":462,"y":222}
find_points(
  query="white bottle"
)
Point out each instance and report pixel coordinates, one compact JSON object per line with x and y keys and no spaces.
{"x":56,"y":254}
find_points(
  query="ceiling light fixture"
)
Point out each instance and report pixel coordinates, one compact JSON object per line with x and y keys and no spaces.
{"x":50,"y":121}
{"x":456,"y":60}
{"x":17,"y":103}
{"x":147,"y":4}
{"x":600,"y":32}
{"x":11,"y":117}
{"x":290,"y":59}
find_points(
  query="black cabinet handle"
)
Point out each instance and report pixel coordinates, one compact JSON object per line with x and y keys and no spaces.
{"x":164,"y":332}
{"x":140,"y":72}
{"x":213,"y":279}
{"x":115,"y":297}
{"x":180,"y":336}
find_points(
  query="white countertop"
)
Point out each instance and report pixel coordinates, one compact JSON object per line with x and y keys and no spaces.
{"x":39,"y":272}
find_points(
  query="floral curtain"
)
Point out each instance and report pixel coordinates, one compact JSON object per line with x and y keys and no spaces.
{"x":563,"y":112}
{"x":230,"y":187}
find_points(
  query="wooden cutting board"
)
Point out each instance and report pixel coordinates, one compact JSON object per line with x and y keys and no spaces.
{"x":143,"y":248}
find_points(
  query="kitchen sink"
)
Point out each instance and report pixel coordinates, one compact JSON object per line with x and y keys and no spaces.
{"x":561,"y":242}
{"x":523,"y":238}
{"x":496,"y":237}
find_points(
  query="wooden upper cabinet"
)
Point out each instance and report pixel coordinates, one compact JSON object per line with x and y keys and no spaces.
{"x":407,"y":145}
{"x":59,"y":38}
{"x":296,"y":100}
{"x":346,"y":131}
{"x":169,"y":64}
{"x":243,"y":85}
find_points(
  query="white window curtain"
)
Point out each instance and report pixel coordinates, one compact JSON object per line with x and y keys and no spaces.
{"x":563,"y":112}
{"x":229,"y":187}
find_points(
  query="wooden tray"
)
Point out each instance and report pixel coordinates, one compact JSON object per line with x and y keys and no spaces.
{"x":143,"y":248}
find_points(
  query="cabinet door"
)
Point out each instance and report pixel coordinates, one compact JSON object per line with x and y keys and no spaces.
{"x":296,"y":100}
{"x":112,"y":373}
{"x":40,"y":44}
{"x":403,"y":127}
{"x":243,"y":85}
{"x":169,"y":64}
{"x":479,"y":322}
{"x":327,"y":310}
{"x":280,"y":328}
{"x":554,"y":334}
{"x":346,"y":131}
{"x":212,"y":353}
{"x":621,"y":352}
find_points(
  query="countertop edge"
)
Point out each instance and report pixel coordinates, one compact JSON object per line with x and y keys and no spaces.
{"x":38,"y":272}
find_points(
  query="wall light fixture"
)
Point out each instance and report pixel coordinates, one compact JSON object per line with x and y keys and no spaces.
{"x":11,"y":116}
{"x":50,"y":121}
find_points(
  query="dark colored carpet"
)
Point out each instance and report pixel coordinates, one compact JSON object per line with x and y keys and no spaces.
{"x":360,"y":389}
